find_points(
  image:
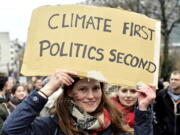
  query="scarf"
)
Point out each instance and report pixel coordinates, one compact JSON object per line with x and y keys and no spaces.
{"x":176,"y":97}
{"x":86,"y":122}
{"x":2,"y":99}
{"x":129,"y":113}
{"x":13,"y":102}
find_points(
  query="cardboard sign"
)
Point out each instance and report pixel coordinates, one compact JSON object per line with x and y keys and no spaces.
{"x":111,"y":45}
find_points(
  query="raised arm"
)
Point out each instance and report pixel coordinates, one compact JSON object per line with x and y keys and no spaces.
{"x":58,"y":79}
{"x":24,"y":121}
{"x":144,"y":114}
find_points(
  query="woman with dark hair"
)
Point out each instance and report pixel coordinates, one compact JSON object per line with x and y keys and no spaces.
{"x":3,"y":107}
{"x":82,"y":109}
{"x":18,"y":93}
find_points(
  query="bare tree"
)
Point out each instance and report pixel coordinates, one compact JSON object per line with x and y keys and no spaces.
{"x":170,"y":16}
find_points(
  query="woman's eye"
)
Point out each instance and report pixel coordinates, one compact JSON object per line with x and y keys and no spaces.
{"x":133,"y":91}
{"x":124,"y":90}
{"x":82,"y":89}
{"x":96,"y":88}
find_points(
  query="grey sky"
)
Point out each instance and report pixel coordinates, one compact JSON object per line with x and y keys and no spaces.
{"x":15,"y":15}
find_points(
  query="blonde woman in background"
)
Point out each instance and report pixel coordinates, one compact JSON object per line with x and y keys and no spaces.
{"x":125,"y":99}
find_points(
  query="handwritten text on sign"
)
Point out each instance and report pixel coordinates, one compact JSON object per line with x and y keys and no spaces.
{"x":93,"y":39}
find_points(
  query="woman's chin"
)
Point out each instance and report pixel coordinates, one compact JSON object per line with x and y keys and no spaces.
{"x":90,"y":109}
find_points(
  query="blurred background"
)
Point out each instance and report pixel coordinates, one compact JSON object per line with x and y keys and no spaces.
{"x":15,"y":17}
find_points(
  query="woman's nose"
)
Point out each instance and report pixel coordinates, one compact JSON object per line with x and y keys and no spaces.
{"x":90,"y":94}
{"x":128,"y":94}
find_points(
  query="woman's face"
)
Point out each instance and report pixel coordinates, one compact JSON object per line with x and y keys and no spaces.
{"x":127,"y":96}
{"x":20,"y":93}
{"x":87,"y":94}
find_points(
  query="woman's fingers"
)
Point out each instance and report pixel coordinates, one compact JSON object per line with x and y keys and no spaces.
{"x":71,"y":73}
{"x":58,"y":79}
{"x":141,"y":92}
{"x":153,"y":87}
{"x":65,"y":76}
{"x":148,"y":93}
{"x":146,"y":88}
{"x":66,"y":79}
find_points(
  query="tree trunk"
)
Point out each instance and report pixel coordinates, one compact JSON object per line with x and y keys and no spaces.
{"x":165,"y":64}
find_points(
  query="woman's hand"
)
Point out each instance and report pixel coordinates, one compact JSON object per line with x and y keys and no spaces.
{"x":58,"y":79}
{"x":147,"y":94}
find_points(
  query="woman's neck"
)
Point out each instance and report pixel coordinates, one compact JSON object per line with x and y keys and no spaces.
{"x":131,"y":108}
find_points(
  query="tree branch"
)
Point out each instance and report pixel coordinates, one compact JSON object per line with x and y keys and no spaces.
{"x":173,"y":9}
{"x":173,"y":25}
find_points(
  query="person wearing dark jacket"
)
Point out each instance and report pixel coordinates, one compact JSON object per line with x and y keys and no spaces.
{"x":82,"y":109}
{"x":167,"y":108}
{"x":18,"y":93}
{"x":3,"y":108}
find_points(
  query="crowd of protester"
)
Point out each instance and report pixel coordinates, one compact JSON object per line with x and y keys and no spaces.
{"x":166,"y":107}
{"x":12,"y":93}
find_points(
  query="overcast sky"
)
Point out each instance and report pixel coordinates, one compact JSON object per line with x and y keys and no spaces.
{"x":15,"y":15}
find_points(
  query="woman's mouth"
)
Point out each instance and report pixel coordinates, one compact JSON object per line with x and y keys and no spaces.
{"x":89,"y":102}
{"x":128,"y":101}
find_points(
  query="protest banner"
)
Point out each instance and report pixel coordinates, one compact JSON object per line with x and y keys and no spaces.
{"x":112,"y":45}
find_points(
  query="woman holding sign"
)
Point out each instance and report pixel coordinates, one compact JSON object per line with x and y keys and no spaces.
{"x":82,"y":109}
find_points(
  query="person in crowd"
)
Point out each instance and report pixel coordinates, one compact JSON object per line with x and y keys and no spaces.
{"x":167,"y":107}
{"x":29,"y":87}
{"x":10,"y":83}
{"x":18,"y":94}
{"x":126,"y":99}
{"x":37,"y":84}
{"x":3,"y":107}
{"x":81,"y":109}
{"x":8,"y":87}
{"x":160,"y":85}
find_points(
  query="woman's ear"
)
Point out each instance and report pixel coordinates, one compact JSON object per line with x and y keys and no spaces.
{"x":69,"y":92}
